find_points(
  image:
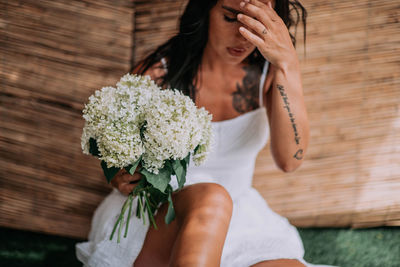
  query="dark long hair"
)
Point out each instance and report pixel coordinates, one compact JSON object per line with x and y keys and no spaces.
{"x":184,"y":50}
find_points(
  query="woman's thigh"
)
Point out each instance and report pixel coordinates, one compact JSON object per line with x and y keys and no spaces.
{"x":201,"y":198}
{"x":279,"y":263}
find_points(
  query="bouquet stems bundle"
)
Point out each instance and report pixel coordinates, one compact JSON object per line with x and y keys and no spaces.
{"x":139,"y":127}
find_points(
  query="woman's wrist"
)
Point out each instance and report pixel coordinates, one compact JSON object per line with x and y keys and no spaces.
{"x":289,"y":66}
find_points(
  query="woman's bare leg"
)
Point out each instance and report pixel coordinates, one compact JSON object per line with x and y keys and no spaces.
{"x":196,"y":236}
{"x":279,"y":263}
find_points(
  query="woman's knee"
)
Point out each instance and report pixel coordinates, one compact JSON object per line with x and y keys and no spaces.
{"x":279,"y":263}
{"x":214,"y":194}
{"x":205,"y":198}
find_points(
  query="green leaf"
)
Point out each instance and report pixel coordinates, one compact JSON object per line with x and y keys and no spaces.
{"x":171,"y":212}
{"x":93,"y":148}
{"x":157,"y":197}
{"x":140,"y":187}
{"x":109,"y":172}
{"x":187,"y":159}
{"x":132,"y":168}
{"x":168,"y":166}
{"x":160,"y":180}
{"x":179,"y":167}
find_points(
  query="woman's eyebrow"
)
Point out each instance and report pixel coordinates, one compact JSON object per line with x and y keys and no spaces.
{"x":234,"y":11}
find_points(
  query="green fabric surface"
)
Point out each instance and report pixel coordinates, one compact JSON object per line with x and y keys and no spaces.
{"x":22,"y":248}
{"x":371,"y":247}
{"x":375,"y":247}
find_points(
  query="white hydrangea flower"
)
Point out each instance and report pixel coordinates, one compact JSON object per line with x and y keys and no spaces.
{"x":114,"y":117}
{"x":121,"y":146}
{"x":173,"y":126}
{"x":172,"y":129}
{"x":139,"y":120}
{"x":205,"y":144}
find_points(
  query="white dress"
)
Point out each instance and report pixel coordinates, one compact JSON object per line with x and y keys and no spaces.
{"x":256,"y":233}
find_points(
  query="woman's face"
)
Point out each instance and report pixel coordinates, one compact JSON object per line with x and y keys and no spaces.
{"x":224,"y":38}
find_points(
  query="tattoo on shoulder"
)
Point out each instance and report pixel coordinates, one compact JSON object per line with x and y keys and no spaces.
{"x":245,"y":98}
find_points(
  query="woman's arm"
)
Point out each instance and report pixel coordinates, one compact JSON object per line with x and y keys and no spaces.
{"x":287,"y":117}
{"x":286,"y":110}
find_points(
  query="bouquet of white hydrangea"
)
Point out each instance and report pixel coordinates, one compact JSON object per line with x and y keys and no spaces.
{"x":136,"y":125}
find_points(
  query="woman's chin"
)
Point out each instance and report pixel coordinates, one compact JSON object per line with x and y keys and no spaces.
{"x":237,"y":59}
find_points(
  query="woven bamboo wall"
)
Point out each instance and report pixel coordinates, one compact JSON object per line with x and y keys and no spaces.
{"x":351,"y":79}
{"x":54,"y":54}
{"x":156,"y":21}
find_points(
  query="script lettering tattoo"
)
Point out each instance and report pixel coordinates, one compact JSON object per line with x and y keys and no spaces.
{"x":287,"y":107}
{"x":245,"y":98}
{"x":299,"y":154}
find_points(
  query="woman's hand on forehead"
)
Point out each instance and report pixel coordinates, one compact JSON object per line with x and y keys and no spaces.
{"x":263,"y":27}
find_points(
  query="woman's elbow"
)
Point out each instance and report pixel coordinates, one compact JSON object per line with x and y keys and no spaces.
{"x":289,"y":165}
{"x":286,"y":161}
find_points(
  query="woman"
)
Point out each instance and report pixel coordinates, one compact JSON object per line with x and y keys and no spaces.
{"x":237,"y":60}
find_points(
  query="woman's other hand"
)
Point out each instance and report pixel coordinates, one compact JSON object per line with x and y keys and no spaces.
{"x":125,"y":182}
{"x":263,"y":27}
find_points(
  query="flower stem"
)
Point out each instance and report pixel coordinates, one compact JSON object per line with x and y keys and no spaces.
{"x":129,"y":214}
{"x":115,"y":227}
{"x":141,"y":208}
{"x":149,"y":213}
{"x":119,"y":229}
{"x":120,"y":220}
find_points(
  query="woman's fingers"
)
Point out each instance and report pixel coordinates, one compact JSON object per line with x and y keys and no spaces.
{"x":256,"y":3}
{"x":261,"y":11}
{"x":256,"y":12}
{"x":127,"y":178}
{"x":251,"y":37}
{"x":253,"y":24}
{"x":260,"y":4}
{"x":265,"y":6}
{"x":128,"y":183}
{"x":126,"y":189}
{"x":124,"y":182}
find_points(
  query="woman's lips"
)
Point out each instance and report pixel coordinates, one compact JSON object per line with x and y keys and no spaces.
{"x":236,"y":51}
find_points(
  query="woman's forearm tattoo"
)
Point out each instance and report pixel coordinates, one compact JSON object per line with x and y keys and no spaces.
{"x":299,"y":154}
{"x":287,"y":107}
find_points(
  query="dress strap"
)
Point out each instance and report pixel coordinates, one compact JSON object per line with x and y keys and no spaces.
{"x":262,"y":81}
